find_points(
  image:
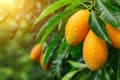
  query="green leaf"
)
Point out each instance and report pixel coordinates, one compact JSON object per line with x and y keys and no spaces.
{"x":113,"y":60}
{"x":98,"y":26}
{"x":118,"y":69}
{"x":49,"y":30}
{"x":103,"y":74}
{"x":5,"y":73}
{"x":57,"y":63}
{"x":77,"y":64}
{"x":50,"y":48}
{"x":62,"y":46}
{"x":51,"y":23}
{"x":108,"y":74}
{"x":76,"y":51}
{"x":72,"y":6}
{"x":58,"y":59}
{"x":69,"y":75}
{"x":108,"y":12}
{"x":82,"y":75}
{"x":116,"y":3}
{"x":56,"y":5}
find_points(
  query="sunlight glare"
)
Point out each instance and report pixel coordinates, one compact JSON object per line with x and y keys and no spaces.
{"x":7,"y":6}
{"x":9,"y":2}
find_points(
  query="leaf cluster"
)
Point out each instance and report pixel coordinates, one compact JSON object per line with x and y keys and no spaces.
{"x":67,"y":62}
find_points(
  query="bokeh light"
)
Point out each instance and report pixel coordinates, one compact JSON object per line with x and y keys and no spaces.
{"x":17,"y":38}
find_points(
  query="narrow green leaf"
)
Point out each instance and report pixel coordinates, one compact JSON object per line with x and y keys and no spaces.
{"x":51,"y":23}
{"x":72,"y":6}
{"x":103,"y":74}
{"x":62,"y":46}
{"x":50,"y":48}
{"x":92,"y":75}
{"x":58,"y":60}
{"x":116,"y":3}
{"x":69,"y":75}
{"x":6,"y":73}
{"x":56,"y":5}
{"x":118,"y":69}
{"x":108,"y":12}
{"x":77,"y":64}
{"x":57,"y":63}
{"x":98,"y":26}
{"x":113,"y":60}
{"x":46,"y":34}
{"x":108,"y":74}
{"x":76,"y":51}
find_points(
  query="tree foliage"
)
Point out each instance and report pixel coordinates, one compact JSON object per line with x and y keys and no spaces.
{"x":67,"y":62}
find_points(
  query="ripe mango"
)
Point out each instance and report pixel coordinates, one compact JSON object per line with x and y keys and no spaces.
{"x":95,"y":51}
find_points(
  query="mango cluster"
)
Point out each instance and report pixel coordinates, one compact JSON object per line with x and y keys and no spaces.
{"x":95,"y":50}
{"x":37,"y":54}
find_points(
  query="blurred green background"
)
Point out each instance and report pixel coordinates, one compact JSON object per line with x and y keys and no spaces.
{"x":17,"y":39}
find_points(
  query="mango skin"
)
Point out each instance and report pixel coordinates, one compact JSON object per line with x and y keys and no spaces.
{"x":95,"y":51}
{"x":46,"y":66}
{"x":77,"y":27}
{"x":114,"y":35}
{"x":35,"y":53}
